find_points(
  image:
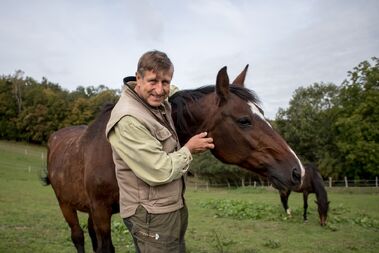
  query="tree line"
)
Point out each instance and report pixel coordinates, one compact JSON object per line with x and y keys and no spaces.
{"x":30,"y":111}
{"x":333,"y":126}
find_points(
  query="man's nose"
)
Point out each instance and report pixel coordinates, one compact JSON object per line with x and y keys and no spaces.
{"x":159,"y":88}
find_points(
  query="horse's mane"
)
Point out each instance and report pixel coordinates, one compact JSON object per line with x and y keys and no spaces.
{"x":97,"y":126}
{"x":181,"y":100}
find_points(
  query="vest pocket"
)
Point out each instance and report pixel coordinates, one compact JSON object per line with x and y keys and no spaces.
{"x":162,"y":134}
{"x":167,"y":194}
{"x":168,"y":141}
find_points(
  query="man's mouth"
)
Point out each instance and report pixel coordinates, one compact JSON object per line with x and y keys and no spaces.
{"x":156,"y":97}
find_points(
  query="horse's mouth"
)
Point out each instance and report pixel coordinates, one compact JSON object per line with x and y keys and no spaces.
{"x":277,"y":183}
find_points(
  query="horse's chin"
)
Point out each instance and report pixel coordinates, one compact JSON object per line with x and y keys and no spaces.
{"x":278,"y":184}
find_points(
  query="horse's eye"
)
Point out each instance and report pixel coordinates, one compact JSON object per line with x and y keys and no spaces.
{"x":244,"y":122}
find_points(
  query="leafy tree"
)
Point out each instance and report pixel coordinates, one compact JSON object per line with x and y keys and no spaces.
{"x":306,"y":123}
{"x":358,"y":120}
{"x":44,"y":109}
{"x":337,"y":127}
{"x":85,"y":106}
{"x":8,"y":109}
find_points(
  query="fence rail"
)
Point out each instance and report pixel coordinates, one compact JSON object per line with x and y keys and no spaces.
{"x":331,"y":183}
{"x":352,"y":183}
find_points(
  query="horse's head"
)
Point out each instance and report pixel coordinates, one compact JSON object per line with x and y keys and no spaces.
{"x":317,"y":184}
{"x":242,"y":136}
{"x":322,"y":207}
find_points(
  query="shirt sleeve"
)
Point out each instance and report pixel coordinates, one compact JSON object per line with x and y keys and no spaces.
{"x":144,"y":154}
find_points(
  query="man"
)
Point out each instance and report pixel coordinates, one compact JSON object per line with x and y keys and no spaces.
{"x":150,"y":164}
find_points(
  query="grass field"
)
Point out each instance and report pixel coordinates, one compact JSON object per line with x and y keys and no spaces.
{"x":221,"y":220}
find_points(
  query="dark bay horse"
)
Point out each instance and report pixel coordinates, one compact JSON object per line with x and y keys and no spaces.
{"x":81,"y":170}
{"x":313,"y":183}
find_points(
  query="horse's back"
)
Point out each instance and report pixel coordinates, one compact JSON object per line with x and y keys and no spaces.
{"x":65,"y":166}
{"x":312,"y":176}
{"x":64,"y":135}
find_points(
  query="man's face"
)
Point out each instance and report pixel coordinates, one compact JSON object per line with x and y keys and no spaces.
{"x":153,"y":87}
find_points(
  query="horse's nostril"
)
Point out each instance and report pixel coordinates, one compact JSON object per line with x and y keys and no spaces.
{"x":296,"y":175}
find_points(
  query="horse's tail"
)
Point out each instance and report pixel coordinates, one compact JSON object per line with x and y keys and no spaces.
{"x":44,"y":178}
{"x":44,"y":173}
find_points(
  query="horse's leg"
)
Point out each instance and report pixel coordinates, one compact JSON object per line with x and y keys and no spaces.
{"x":71,"y":217}
{"x":101,"y":218}
{"x":284,"y":199}
{"x":92,"y":233}
{"x":305,"y":199}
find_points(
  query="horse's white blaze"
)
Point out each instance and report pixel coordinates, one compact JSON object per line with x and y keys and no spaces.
{"x":255,"y":110}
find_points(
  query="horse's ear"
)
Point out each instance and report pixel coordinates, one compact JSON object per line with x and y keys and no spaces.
{"x":240,"y":79}
{"x":222,"y":86}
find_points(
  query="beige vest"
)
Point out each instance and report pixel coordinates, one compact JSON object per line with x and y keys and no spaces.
{"x":133,"y":191}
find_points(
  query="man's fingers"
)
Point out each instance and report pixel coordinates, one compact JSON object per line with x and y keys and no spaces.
{"x":203,"y":134}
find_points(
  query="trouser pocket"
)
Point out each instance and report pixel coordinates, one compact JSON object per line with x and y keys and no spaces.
{"x":157,"y":232}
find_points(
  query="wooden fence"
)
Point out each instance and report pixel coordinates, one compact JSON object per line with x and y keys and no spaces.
{"x":202,"y":184}
{"x":331,"y":183}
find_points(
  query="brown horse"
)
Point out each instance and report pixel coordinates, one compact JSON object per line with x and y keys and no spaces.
{"x":313,"y":183}
{"x":81,"y":170}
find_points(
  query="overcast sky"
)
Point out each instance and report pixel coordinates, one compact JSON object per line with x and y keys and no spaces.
{"x":287,"y":44}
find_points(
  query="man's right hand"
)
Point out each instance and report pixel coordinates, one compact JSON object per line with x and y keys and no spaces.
{"x":200,"y":143}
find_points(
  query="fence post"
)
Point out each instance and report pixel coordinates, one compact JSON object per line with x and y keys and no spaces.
{"x":207,"y":186}
{"x":196,"y":185}
{"x":255,"y":184}
{"x":243,"y":182}
{"x":376,"y":182}
{"x":346,"y":183}
{"x":330,"y":182}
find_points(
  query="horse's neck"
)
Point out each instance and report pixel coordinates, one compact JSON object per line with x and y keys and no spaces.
{"x":192,"y":121}
{"x":319,"y":187}
{"x":96,"y":129}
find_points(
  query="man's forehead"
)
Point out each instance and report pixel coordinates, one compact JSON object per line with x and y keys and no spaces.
{"x":163,"y":74}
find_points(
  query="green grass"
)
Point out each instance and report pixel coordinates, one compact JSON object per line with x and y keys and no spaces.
{"x":221,"y":220}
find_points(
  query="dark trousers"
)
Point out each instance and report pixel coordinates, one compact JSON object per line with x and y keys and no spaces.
{"x":158,"y":233}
